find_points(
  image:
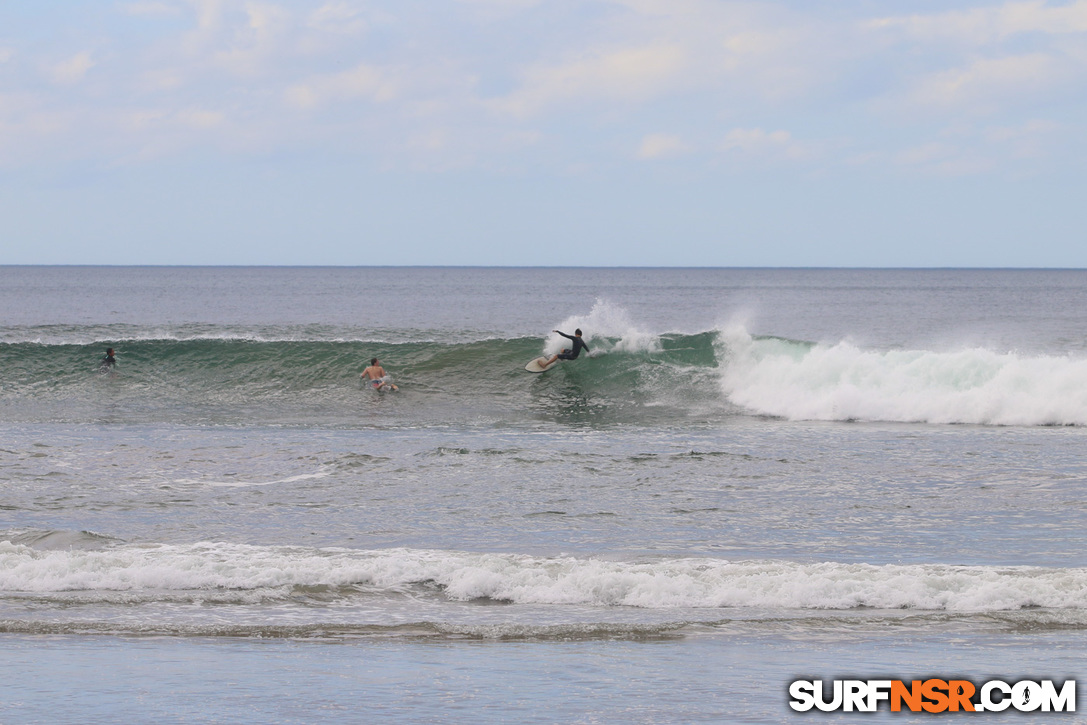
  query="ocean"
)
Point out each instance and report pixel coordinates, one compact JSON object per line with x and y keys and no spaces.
{"x":755,"y":476}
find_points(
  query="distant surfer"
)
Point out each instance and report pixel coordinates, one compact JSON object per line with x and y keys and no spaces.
{"x":569,"y":353}
{"x":108,"y":362}
{"x":379,"y":379}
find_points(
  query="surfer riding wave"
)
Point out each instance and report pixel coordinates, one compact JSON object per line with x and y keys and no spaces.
{"x":570,"y":353}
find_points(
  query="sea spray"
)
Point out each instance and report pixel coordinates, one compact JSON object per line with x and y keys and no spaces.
{"x":607,"y":328}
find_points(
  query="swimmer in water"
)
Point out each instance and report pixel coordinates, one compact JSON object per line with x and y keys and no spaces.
{"x":379,"y":379}
{"x":108,"y":362}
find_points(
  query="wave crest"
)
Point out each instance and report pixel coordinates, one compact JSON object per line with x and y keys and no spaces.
{"x":631,"y":376}
{"x":804,"y":381}
{"x":161,"y":572}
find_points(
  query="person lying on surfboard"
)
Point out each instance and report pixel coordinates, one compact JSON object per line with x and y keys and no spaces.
{"x":379,"y":379}
{"x":567,"y":353}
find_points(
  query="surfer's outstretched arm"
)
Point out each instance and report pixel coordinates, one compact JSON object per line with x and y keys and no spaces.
{"x":573,"y":352}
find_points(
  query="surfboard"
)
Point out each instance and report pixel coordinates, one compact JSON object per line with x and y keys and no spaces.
{"x":388,"y":386}
{"x":538,"y":366}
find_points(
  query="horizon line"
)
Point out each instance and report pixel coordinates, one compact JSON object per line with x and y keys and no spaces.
{"x":544,"y":266}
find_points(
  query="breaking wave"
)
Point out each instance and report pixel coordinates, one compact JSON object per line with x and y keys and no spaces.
{"x":806,"y":381}
{"x":234,"y":573}
{"x":630,"y":377}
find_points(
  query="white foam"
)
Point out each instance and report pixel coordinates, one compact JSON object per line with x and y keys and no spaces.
{"x":270,"y":572}
{"x":843,"y":382}
{"x":247,"y":484}
{"x":104,"y":336}
{"x":607,"y":327}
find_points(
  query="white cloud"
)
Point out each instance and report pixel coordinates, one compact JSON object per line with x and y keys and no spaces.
{"x":625,"y":74}
{"x":32,"y":128}
{"x":986,"y":82}
{"x":151,"y":9}
{"x":992,"y":24}
{"x":661,"y":145}
{"x":256,"y":41}
{"x":964,"y":149}
{"x":927,"y":153}
{"x":1030,"y":140}
{"x":759,"y":142}
{"x":489,"y":11}
{"x":199,"y":118}
{"x":361,"y":82}
{"x":998,"y":60}
{"x":341,"y":18}
{"x":1030,"y":129}
{"x":161,"y":79}
{"x":436,"y":139}
{"x":520,"y":139}
{"x":71,"y":70}
{"x":503,"y":4}
{"x":209,"y":14}
{"x":745,"y":51}
{"x":264,"y":17}
{"x":243,"y":37}
{"x":141,"y":136}
{"x":942,"y":158}
{"x":403,"y":80}
{"x":754,"y":140}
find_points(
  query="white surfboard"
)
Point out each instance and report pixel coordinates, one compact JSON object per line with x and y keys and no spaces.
{"x":539,"y":365}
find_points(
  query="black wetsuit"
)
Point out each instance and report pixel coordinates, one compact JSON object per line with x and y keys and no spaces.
{"x":579,"y":344}
{"x":107,"y":362}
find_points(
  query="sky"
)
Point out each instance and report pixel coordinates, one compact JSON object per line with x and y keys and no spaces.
{"x":778,"y":133}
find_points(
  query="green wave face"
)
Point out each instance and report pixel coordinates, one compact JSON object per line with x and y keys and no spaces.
{"x":211,"y":381}
{"x":637,"y":380}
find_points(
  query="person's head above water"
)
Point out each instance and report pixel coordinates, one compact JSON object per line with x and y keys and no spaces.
{"x":578,"y":332}
{"x":109,"y":351}
{"x":373,"y":361}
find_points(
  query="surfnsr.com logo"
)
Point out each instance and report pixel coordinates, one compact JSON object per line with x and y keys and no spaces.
{"x":933,"y":695}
